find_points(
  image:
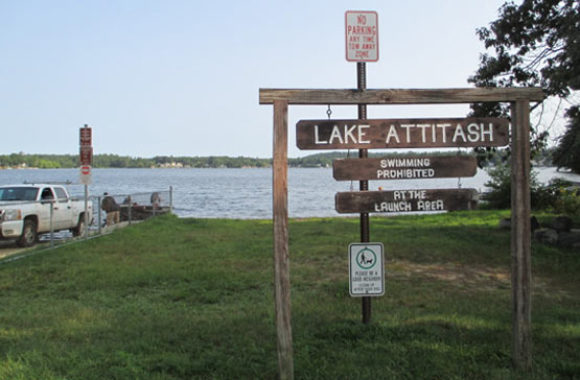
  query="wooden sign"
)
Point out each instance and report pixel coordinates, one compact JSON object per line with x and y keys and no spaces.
{"x":401,"y":133}
{"x":86,"y":136}
{"x":408,"y":167}
{"x":86,"y":155}
{"x":401,"y":201}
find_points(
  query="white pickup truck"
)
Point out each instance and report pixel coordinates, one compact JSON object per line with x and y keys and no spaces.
{"x":25,"y":212}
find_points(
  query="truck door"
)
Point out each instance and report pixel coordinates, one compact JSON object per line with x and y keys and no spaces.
{"x":62,"y":209}
{"x":58,"y":211}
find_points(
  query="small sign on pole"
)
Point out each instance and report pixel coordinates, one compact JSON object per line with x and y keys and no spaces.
{"x":86,"y":136}
{"x":366,"y":269}
{"x":85,"y":155}
{"x":86,"y":177}
{"x":362,"y":36}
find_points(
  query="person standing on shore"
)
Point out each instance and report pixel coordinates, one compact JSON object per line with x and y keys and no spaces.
{"x":155,"y":200}
{"x":110,"y":206}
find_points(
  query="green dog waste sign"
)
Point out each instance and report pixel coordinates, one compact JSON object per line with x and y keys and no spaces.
{"x":366,"y":270}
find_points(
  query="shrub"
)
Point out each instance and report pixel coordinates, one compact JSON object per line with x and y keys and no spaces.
{"x":568,"y":202}
{"x":500,"y":185}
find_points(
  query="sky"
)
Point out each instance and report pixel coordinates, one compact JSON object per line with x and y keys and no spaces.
{"x":182,"y":77}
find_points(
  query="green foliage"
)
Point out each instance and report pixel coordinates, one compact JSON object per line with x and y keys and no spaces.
{"x":567,"y":154}
{"x":534,"y":43}
{"x":193,"y":298}
{"x":553,"y":196}
{"x":116,"y":161}
{"x":499,"y":196}
{"x":568,"y":202}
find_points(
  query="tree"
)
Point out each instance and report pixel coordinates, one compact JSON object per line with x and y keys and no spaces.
{"x":536,"y":43}
{"x":567,"y":154}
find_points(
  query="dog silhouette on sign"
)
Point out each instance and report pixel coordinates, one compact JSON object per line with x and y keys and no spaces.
{"x":365,"y":260}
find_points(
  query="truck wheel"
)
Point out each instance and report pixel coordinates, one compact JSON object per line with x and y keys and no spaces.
{"x":80,"y":228}
{"x":29,"y":234}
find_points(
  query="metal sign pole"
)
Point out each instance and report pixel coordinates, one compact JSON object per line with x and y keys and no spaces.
{"x":363,"y":185}
{"x":86,"y":161}
{"x":51,"y":224}
{"x":86,"y":231}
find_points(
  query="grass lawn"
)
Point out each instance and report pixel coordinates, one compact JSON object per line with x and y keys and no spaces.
{"x":193,"y":298}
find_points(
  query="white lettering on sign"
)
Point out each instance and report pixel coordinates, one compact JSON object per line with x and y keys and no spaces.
{"x":405,"y":173}
{"x":355,"y":134}
{"x":409,"y":194}
{"x":401,"y":133}
{"x":431,"y":133}
{"x":409,"y":171}
{"x":406,"y":206}
{"x":435,"y":205}
{"x":400,"y":206}
{"x":405,"y":162}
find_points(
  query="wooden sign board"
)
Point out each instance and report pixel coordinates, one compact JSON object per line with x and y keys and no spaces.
{"x":401,"y":133}
{"x":86,"y":136}
{"x":408,"y":167}
{"x":401,"y":201}
{"x":86,"y":155}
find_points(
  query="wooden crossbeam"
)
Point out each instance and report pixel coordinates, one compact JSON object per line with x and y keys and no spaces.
{"x":400,"y":96}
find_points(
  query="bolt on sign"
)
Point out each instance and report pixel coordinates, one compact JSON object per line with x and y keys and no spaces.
{"x":408,"y":167}
{"x":362,"y":36}
{"x":402,"y":133}
{"x":366,"y":269}
{"x":402,"y":201}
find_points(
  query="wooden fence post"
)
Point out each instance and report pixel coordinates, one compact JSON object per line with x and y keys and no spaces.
{"x":521,"y":236}
{"x":281,"y":253}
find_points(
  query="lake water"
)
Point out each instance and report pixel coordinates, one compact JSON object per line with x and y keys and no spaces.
{"x":237,"y":193}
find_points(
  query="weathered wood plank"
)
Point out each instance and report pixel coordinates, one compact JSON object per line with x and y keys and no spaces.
{"x":408,"y":167}
{"x":400,"y":96}
{"x":405,"y":201}
{"x":281,"y":253}
{"x":521,"y":237}
{"x":401,"y":133}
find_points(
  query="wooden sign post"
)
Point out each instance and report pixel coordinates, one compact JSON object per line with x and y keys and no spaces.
{"x":281,"y":254}
{"x":519,"y":98}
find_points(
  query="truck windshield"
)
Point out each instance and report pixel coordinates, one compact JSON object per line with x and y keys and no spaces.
{"x":18,"y":193}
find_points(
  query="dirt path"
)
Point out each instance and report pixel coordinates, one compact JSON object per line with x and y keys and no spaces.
{"x":9,"y":248}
